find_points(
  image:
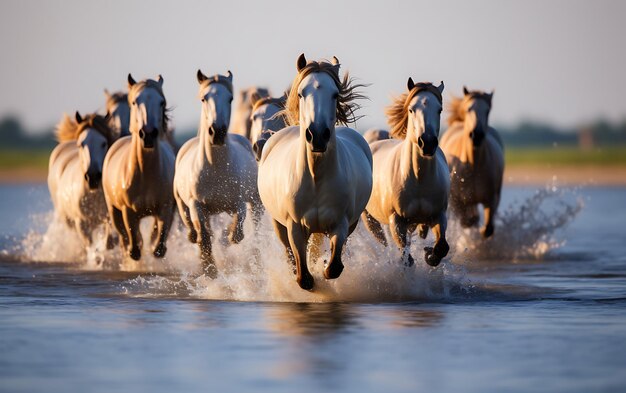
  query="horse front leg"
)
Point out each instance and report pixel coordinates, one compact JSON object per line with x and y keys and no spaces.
{"x":434,"y":255}
{"x":283,"y":236}
{"x":235,"y":230}
{"x":490,"y":215}
{"x":84,"y":230}
{"x":374,"y":227}
{"x":131,"y":223}
{"x":118,"y":222}
{"x":337,"y":240}
{"x":183,"y":210}
{"x":202,"y":224}
{"x":399,"y":228}
{"x":163,"y":224}
{"x":298,"y":240}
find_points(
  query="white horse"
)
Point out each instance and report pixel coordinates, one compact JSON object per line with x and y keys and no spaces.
{"x":266,"y":121}
{"x":246,"y":98}
{"x":411,"y":176}
{"x":139,"y":171}
{"x":118,"y":112}
{"x":75,"y":173}
{"x":315,"y":177}
{"x":215,"y":171}
{"x":475,"y":154}
{"x":375,"y":134}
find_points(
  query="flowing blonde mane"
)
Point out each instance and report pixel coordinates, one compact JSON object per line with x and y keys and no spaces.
{"x":135,"y":89}
{"x":398,"y":112}
{"x":279,"y":102}
{"x":69,"y":130}
{"x":116,"y":98}
{"x":457,"y":110}
{"x":346,"y":105}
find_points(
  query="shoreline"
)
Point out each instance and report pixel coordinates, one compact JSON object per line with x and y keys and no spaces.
{"x":519,"y":175}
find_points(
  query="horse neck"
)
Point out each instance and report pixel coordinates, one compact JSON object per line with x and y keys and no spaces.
{"x":468,"y":152}
{"x":206,"y":151}
{"x":317,"y":164}
{"x":142,"y":161}
{"x":413,"y":161}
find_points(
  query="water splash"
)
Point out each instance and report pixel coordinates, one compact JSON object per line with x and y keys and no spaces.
{"x":527,"y":229}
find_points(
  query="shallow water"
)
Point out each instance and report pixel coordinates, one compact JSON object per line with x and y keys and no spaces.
{"x":541,"y":307}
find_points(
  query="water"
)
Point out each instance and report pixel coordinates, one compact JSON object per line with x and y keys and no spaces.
{"x":541,"y":307}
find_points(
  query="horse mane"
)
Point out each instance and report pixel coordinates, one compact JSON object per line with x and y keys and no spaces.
{"x":117,"y":98}
{"x":348,"y":94}
{"x":151,"y":84}
{"x":69,"y":130}
{"x":398,"y":112}
{"x":456,"y":110}
{"x":279,"y":102}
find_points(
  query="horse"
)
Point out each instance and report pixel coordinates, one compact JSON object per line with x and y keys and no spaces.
{"x":316,"y":177}
{"x":411,"y":176}
{"x":75,"y":173}
{"x":475,"y":155}
{"x":375,"y":134}
{"x":266,"y":121}
{"x":139,"y":170}
{"x":241,"y":121}
{"x":118,"y":112}
{"x":215,"y":171}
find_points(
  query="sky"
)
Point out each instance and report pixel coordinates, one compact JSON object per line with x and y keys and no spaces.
{"x":561,"y":62}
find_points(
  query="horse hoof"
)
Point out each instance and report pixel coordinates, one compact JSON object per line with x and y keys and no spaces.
{"x":306,"y":282}
{"x":430,"y":258}
{"x":235,"y":237}
{"x":333,"y":270}
{"x":210,"y":270}
{"x":135,"y":253}
{"x":487,"y":231}
{"x":408,"y":260}
{"x":160,"y":250}
{"x":192,"y":236}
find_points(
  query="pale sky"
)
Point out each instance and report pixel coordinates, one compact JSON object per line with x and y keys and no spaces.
{"x":557,"y":61}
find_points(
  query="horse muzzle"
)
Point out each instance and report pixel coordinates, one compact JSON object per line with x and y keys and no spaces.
{"x":477,"y":137}
{"x":93,"y":179}
{"x":318,"y":140}
{"x":149,"y":138}
{"x":428,"y":144}
{"x":217,"y":135}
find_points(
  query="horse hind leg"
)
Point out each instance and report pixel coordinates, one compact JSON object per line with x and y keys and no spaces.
{"x":399,"y":229}
{"x":298,"y":239}
{"x":422,"y":230}
{"x":337,"y":240}
{"x":283,"y":236}
{"x":374,"y":227}
{"x":490,"y":214}
{"x":434,"y":255}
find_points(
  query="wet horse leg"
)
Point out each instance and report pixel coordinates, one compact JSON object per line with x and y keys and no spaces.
{"x":434,"y":255}
{"x":490,"y":214}
{"x":298,"y":239}
{"x":163,"y":223}
{"x":235,"y":230}
{"x":185,"y":215}
{"x":398,"y":227}
{"x":202,"y":224}
{"x":131,"y":222}
{"x":281,"y":232}
{"x":84,"y":230}
{"x":374,"y":227}
{"x":118,"y":223}
{"x":337,"y":240}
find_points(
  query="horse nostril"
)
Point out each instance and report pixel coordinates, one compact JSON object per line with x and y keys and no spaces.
{"x":471,"y":135}
{"x":142,"y":134}
{"x":86,"y":176}
{"x":326,"y":134}
{"x":211,"y":131}
{"x":309,"y":135}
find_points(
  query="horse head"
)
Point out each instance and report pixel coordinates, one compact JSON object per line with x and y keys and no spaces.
{"x":148,"y":114}
{"x":118,"y":112}
{"x":93,"y":141}
{"x":476,"y":106}
{"x":216,"y":94}
{"x":423,"y":107}
{"x":266,"y":116}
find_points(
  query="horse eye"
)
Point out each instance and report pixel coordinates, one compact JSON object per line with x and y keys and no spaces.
{"x":299,"y":95}
{"x":134,"y":102}
{"x":203,"y":99}
{"x":410,"y":110}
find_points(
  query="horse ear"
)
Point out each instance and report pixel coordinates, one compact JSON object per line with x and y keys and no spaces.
{"x":490,"y":95}
{"x":440,"y":87}
{"x":410,"y":84}
{"x":201,"y":77}
{"x":230,"y":76}
{"x":465,"y":91}
{"x":254,"y":97}
{"x":78,"y":117}
{"x":131,"y":80}
{"x":107,"y":94}
{"x":160,"y":80}
{"x":301,"y":63}
{"x":334,"y":60}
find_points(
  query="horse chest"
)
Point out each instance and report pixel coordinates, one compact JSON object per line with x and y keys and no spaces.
{"x":321,"y":206}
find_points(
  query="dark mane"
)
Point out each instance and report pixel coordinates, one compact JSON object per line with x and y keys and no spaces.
{"x":348,"y":93}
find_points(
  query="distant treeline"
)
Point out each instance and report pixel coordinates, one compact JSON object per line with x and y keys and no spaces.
{"x":13,"y":135}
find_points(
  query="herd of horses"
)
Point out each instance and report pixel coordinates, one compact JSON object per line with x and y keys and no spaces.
{"x":291,"y":156}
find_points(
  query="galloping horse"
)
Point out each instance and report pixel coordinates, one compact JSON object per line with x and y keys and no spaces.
{"x":411,"y":177}
{"x":242,"y":122}
{"x":75,"y":173}
{"x":215,"y":171}
{"x":475,"y":154}
{"x":315,"y":177}
{"x":139,"y":170}
{"x":266,"y":121}
{"x":375,"y":134}
{"x":118,"y":112}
